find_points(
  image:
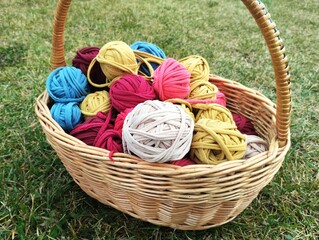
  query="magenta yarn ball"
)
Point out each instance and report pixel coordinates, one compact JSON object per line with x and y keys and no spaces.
{"x":130,"y":90}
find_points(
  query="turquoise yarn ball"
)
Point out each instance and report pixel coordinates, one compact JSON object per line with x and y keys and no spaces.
{"x":67,"y":84}
{"x":151,"y":49}
{"x":67,"y":115}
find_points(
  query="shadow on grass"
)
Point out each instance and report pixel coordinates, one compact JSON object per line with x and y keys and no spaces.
{"x":12,"y":56}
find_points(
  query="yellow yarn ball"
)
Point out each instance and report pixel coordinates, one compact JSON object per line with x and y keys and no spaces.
{"x":203,"y":90}
{"x":197,"y":66}
{"x":116,"y":59}
{"x":184,"y":105}
{"x":216,"y":142}
{"x":213,"y":111}
{"x":94,"y":103}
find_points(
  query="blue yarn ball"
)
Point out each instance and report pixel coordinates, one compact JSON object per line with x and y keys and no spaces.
{"x":67,"y":115}
{"x":67,"y":84}
{"x":151,"y":49}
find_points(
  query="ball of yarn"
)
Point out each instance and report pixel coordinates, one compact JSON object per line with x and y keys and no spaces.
{"x":171,"y":80}
{"x":255,"y":145}
{"x":215,"y":142}
{"x":119,"y":121}
{"x":116,"y":59}
{"x":197,"y":66}
{"x":213,"y":111}
{"x":182,"y":162}
{"x":84,"y":57}
{"x":203,"y":90}
{"x":154,"y":56}
{"x":98,"y":131}
{"x":148,"y":48}
{"x":95,"y":102}
{"x":130,"y":90}
{"x":157,"y":131}
{"x":88,"y":130}
{"x":243,"y":124}
{"x":110,"y":140}
{"x":67,"y":84}
{"x":67,"y":115}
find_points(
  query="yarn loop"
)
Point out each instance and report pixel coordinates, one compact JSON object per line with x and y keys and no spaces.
{"x":149,"y":56}
{"x":220,"y":99}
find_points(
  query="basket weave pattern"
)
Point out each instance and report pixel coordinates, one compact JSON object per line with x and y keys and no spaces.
{"x":193,"y":197}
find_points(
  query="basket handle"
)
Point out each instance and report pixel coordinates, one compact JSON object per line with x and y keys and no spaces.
{"x":269,"y":31}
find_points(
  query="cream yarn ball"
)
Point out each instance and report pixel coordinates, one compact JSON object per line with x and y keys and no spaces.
{"x":157,"y":131}
{"x":255,"y":145}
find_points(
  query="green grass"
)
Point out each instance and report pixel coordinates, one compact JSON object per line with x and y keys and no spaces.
{"x":39,"y":200}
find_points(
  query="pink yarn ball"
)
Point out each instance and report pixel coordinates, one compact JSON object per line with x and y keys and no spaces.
{"x":182,"y":162}
{"x":171,"y":80}
{"x":130,"y":90}
{"x":243,"y":124}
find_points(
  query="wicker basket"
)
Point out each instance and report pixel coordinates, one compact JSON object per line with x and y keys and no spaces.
{"x":193,"y":197}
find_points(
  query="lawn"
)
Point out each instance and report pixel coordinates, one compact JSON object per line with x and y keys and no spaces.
{"x":38,"y":198}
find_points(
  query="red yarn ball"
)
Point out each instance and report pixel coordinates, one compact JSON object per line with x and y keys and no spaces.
{"x":183,"y":162}
{"x":243,"y":124}
{"x":82,"y":61}
{"x":130,"y":90}
{"x":171,"y":80}
{"x":119,"y":121}
{"x":88,"y":130}
{"x":84,"y":57}
{"x":110,"y":140}
{"x":98,"y":131}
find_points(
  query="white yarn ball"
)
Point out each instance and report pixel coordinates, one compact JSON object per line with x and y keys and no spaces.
{"x":157,"y":131}
{"x":255,"y":145}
